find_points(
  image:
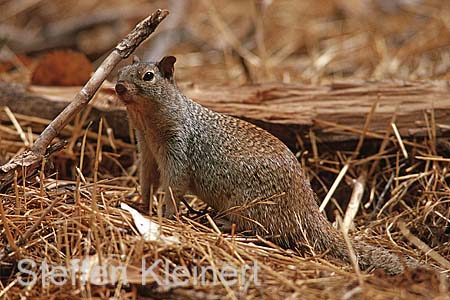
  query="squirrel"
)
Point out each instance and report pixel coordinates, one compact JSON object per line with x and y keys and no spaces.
{"x":235,"y":167}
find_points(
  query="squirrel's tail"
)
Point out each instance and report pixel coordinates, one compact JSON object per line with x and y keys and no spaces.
{"x":332,"y":241}
{"x":380,"y":258}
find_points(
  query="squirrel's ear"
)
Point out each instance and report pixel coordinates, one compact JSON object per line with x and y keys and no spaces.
{"x":165,"y":65}
{"x":136,"y":59}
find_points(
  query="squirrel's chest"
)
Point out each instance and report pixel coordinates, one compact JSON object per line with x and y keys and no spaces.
{"x":156,"y":145}
{"x":165,"y":148}
{"x":148,"y":131}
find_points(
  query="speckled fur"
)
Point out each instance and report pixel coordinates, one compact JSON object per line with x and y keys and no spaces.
{"x":229,"y":163}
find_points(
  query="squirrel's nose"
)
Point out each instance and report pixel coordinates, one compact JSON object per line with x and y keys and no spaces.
{"x":120,"y":88}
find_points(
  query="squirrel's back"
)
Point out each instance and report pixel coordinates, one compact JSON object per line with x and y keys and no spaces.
{"x":227,"y":152}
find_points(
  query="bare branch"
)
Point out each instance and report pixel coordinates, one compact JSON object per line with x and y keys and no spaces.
{"x":142,"y":31}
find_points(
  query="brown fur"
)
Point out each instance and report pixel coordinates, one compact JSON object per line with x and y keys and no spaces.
{"x":230,"y":164}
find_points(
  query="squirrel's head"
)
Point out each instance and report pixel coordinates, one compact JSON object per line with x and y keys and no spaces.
{"x":143,"y":81}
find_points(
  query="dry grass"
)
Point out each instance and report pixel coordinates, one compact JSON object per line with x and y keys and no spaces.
{"x":86,"y":222}
{"x":406,"y":190}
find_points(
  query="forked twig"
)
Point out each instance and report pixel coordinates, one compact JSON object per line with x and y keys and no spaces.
{"x":32,"y":158}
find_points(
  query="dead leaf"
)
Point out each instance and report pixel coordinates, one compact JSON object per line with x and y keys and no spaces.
{"x":62,"y":68}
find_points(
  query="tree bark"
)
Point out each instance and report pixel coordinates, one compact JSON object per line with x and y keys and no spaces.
{"x":335,"y":111}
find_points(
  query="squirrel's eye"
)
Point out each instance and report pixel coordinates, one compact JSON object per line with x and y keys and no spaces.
{"x":148,"y":76}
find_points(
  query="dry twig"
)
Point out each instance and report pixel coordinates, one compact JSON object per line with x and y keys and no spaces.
{"x":31,"y":159}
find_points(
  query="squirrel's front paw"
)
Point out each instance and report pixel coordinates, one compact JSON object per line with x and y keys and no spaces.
{"x":168,"y":210}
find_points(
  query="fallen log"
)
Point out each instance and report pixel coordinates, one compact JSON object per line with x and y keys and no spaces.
{"x":335,"y":111}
